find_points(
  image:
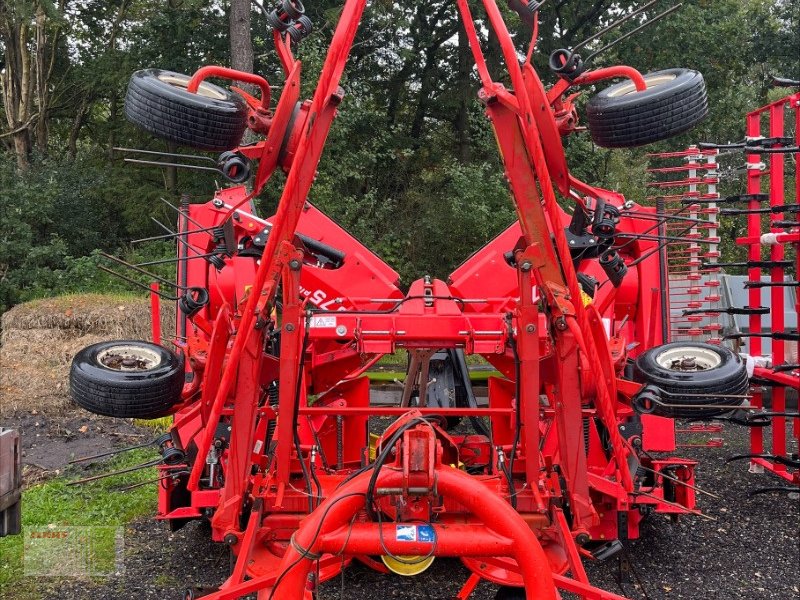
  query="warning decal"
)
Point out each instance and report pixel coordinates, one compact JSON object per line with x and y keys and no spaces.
{"x":406,"y":533}
{"x":323,"y":322}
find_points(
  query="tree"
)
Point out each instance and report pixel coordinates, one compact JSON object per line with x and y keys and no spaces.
{"x":241,"y":43}
{"x":29,"y":32}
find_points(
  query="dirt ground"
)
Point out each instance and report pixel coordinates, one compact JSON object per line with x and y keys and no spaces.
{"x":748,"y":552}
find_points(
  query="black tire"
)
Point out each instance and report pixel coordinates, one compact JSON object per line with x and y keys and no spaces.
{"x":146,"y":388}
{"x":720,"y":372}
{"x":620,"y":117}
{"x":212,"y":119}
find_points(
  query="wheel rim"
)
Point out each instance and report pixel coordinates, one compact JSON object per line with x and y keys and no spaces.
{"x":129,"y":358}
{"x":688,"y":358}
{"x":629,"y":87}
{"x":205,"y":89}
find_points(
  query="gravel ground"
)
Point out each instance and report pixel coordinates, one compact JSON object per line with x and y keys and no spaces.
{"x":748,"y":552}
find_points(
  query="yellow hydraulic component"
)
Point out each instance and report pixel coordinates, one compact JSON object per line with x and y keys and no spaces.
{"x":373,"y":442}
{"x":407,"y":566}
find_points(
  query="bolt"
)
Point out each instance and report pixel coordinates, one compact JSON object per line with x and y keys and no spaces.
{"x":294,"y":264}
{"x":526,"y":266}
{"x":218,"y":203}
{"x":341,"y":330}
{"x":231,"y":539}
{"x":530,"y":328}
{"x":561,"y":324}
{"x":582,"y":539}
{"x":289,"y":327}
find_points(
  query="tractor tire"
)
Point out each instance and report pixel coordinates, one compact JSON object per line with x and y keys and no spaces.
{"x":212,"y":119}
{"x":620,"y":117}
{"x":685,"y":369}
{"x":126,"y":379}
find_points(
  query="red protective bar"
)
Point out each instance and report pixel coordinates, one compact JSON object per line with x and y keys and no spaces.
{"x":753,"y":129}
{"x":610,"y":73}
{"x":155,"y":313}
{"x":327,"y":528}
{"x":226,"y":73}
{"x":777,"y":198}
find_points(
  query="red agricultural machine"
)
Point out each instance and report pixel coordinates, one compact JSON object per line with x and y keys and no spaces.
{"x":276,"y":440}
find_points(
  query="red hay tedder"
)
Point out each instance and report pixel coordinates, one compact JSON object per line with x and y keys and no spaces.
{"x":281,"y":317}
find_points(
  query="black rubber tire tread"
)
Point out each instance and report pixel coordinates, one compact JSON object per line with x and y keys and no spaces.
{"x":657,"y":113}
{"x":729,"y":377}
{"x":645,"y":124}
{"x":126,"y":394}
{"x":172,"y":113}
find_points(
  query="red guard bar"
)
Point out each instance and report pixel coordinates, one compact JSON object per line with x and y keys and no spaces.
{"x":226,"y":73}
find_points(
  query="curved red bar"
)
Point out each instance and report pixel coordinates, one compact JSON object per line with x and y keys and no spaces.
{"x":226,"y":73}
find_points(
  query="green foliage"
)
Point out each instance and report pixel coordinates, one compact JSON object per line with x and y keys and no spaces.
{"x":56,"y":219}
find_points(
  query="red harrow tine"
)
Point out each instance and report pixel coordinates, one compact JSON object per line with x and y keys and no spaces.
{"x":686,"y":268}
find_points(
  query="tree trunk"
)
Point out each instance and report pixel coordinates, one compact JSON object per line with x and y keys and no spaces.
{"x":41,"y":68}
{"x":16,"y":84}
{"x":171,"y":173}
{"x":22,"y":148}
{"x":461,"y":123}
{"x":112,"y":123}
{"x":241,"y":43}
{"x":77,"y":124}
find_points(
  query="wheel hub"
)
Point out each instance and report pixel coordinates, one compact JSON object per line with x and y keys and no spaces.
{"x":129,"y":358}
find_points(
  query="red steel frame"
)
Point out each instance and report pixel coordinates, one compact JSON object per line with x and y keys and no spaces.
{"x":772,"y":117}
{"x":557,"y":413}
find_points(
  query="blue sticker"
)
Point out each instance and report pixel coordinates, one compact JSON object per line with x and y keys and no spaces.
{"x":425,"y":533}
{"x":406,"y":533}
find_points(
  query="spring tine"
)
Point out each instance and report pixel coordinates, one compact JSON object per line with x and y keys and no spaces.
{"x":658,"y":248}
{"x":174,"y":234}
{"x":170,"y":475}
{"x":689,"y":511}
{"x":660,"y":222}
{"x":137,"y":284}
{"x":180,"y":240}
{"x":671,"y":238}
{"x":165,"y":261}
{"x":125,"y":263}
{"x":181,"y":213}
{"x":660,"y":216}
{"x":676,"y":480}
{"x":138,"y":467}
{"x":634,"y":31}
{"x":158,"y":163}
{"x":170,"y":154}
{"x":614,"y":25}
{"x":109,"y":453}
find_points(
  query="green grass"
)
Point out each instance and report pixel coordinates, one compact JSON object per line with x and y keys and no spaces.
{"x":390,"y":376}
{"x":93,"y":504}
{"x":160,"y":425}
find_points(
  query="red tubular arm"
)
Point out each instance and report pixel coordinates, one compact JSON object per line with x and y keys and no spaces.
{"x":225,"y":73}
